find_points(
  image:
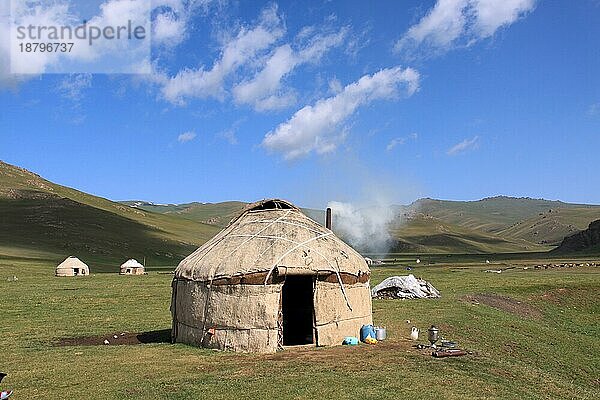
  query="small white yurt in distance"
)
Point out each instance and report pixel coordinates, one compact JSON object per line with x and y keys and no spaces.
{"x":72,"y":266}
{"x":131,"y":267}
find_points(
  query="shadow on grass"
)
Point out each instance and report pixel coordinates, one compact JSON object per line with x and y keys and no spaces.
{"x":161,"y":336}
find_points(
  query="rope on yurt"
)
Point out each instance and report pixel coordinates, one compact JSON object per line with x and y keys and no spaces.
{"x":210,"y":284}
{"x":337,"y":273}
{"x":257,"y":234}
{"x":298,"y":245}
{"x":263,"y":221}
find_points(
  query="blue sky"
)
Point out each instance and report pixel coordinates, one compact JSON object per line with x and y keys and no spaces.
{"x":326,"y":100}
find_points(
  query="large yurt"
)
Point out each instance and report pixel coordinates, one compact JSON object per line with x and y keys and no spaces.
{"x":72,"y":266}
{"x":131,"y":267}
{"x":272,"y":278}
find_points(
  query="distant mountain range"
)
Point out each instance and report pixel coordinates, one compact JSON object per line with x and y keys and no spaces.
{"x":494,"y":224}
{"x":491,"y":225}
{"x":41,"y":219}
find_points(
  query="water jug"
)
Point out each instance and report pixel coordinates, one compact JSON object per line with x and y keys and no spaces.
{"x":367,"y":331}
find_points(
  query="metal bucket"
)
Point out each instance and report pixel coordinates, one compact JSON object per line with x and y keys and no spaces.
{"x":380,"y":333}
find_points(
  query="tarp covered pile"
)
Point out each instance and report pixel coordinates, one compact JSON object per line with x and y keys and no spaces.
{"x":404,"y":287}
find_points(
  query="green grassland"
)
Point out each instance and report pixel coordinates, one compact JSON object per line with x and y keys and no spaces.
{"x":551,"y":354}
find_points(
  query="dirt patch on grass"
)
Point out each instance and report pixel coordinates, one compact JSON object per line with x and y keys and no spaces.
{"x":556,"y":296}
{"x":505,"y":303}
{"x":120,"y":338}
{"x":339,"y":352}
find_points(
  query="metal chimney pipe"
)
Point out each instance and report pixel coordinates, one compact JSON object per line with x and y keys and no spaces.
{"x":328,"y":219}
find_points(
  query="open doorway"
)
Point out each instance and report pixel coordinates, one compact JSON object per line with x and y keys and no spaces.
{"x":297,"y":309}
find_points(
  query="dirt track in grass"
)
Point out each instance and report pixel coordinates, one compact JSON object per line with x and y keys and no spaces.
{"x":505,"y":303}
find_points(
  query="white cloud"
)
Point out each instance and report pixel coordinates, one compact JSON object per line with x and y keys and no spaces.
{"x":263,"y":91}
{"x":118,"y":55}
{"x":172,"y":21}
{"x":267,"y":81}
{"x":594,"y":109}
{"x":335,"y":86}
{"x":319,"y":127}
{"x":72,"y":86}
{"x":186,"y":137}
{"x":170,"y":25}
{"x":461,"y":22}
{"x":169,"y":28}
{"x":464,"y":146}
{"x":230,"y":135}
{"x":6,"y":78}
{"x":400,"y":141}
{"x":492,"y":14}
{"x":238,"y":51}
{"x":441,"y":26}
{"x":395,"y":142}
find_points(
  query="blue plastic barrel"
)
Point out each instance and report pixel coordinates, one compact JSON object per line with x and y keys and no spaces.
{"x":365,"y":331}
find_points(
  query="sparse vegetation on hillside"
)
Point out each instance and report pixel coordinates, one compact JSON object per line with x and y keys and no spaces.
{"x":586,"y":241}
{"x":218,"y":214}
{"x":52,"y":221}
{"x":44,"y":219}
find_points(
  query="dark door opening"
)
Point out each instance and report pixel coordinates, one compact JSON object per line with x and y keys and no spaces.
{"x":297,"y":308}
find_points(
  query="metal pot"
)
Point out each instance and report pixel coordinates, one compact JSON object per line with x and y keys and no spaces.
{"x":433,"y":334}
{"x":380,"y":333}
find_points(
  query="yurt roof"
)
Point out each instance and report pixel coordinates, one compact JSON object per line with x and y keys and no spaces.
{"x":131,"y":263}
{"x":271,"y":234}
{"x":71,"y":262}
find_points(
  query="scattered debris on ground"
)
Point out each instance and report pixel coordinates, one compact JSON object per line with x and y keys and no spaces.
{"x":449,"y":353}
{"x":121,"y":338}
{"x":404,"y":287}
{"x":505,"y":303}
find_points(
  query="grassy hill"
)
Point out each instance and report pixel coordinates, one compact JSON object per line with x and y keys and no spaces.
{"x":210,"y":213}
{"x":519,"y":220}
{"x":44,"y":220}
{"x":497,"y":224}
{"x":427,"y":234}
{"x":552,"y":226}
{"x":587,"y":241}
